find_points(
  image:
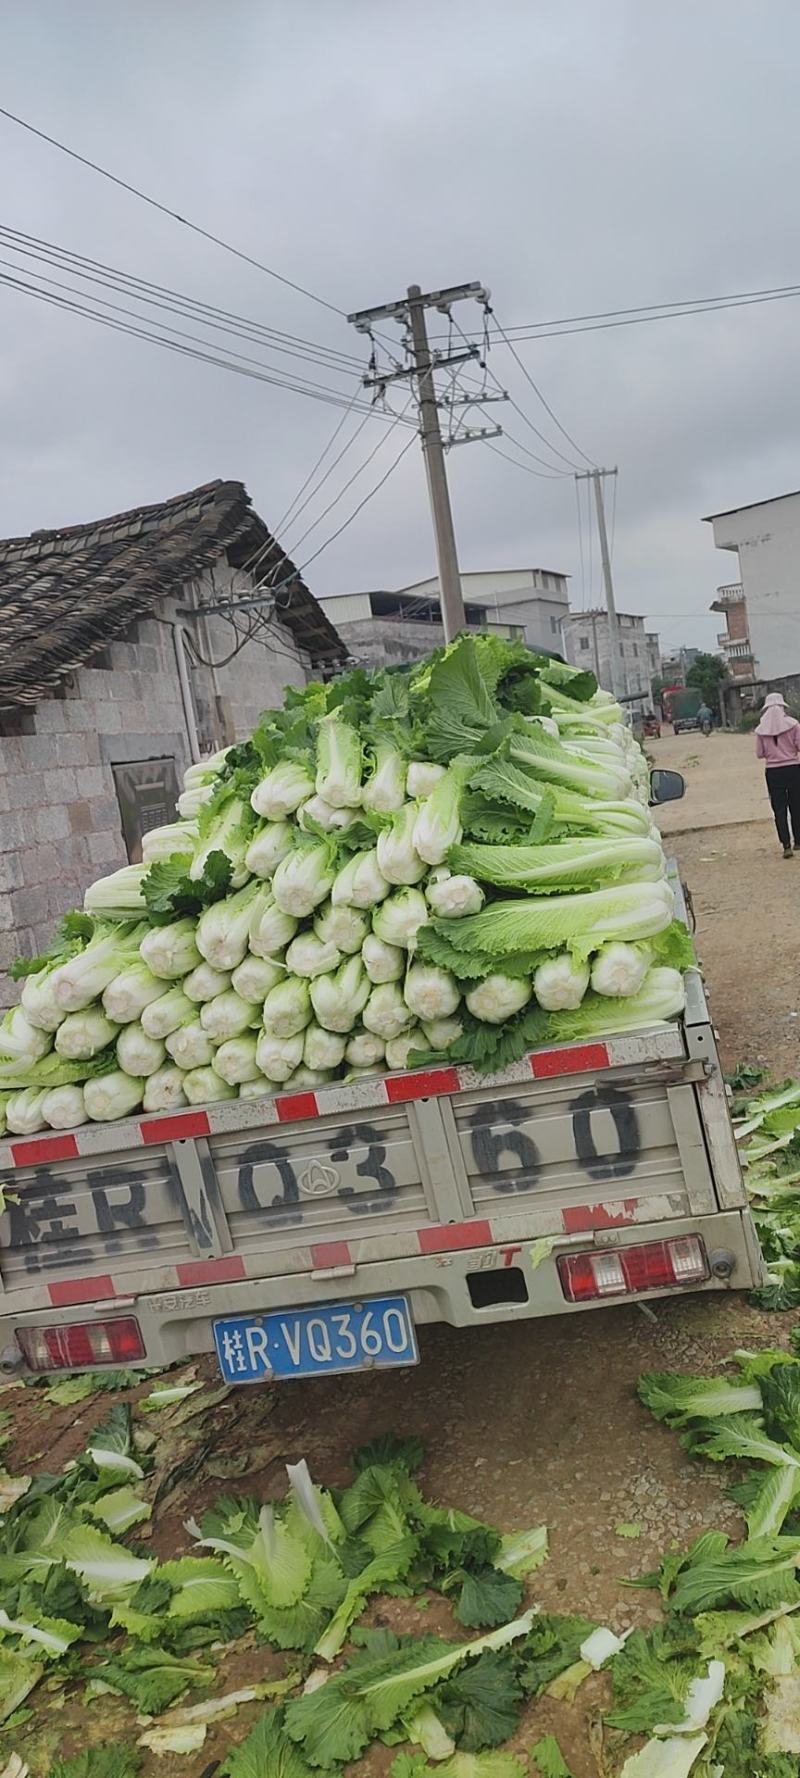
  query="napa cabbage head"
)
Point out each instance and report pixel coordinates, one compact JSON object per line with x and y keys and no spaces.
{"x":498,"y":997}
{"x":398,"y":859}
{"x":339,"y":999}
{"x":63,"y":1108}
{"x":235,"y":1061}
{"x":422,"y":778}
{"x":431,"y":992}
{"x":287,"y":1008}
{"x":83,"y":978}
{"x":304,"y":878}
{"x":386,"y":1013}
{"x":224,"y":929}
{"x":164,"y":842}
{"x":137,"y":1053}
{"x":385,"y":788}
{"x":309,"y":955}
{"x":131,"y":991}
{"x":171,"y":951}
{"x":365,"y":1049}
{"x":278,"y":1057}
{"x":120,"y":896}
{"x":273,"y":841}
{"x":38,"y":1000}
{"x":383,"y":963}
{"x":451,"y":896}
{"x":345,"y":927}
{"x":399,"y":1049}
{"x":190,"y":1046}
{"x":24,"y":1111}
{"x":20,"y":1041}
{"x":441,"y":1034}
{"x":282,"y":791}
{"x":317,"y":813}
{"x":580,"y":923}
{"x":202,"y":1086}
{"x":339,"y":763}
{"x":560,"y":983}
{"x":166,"y":1013}
{"x":163,"y":1091}
{"x":226,"y":828}
{"x":84,"y":1034}
{"x":227,"y":1015}
{"x":438,"y":823}
{"x":112,"y":1095}
{"x":204,"y":982}
{"x":254,"y":977}
{"x":270,"y":929}
{"x":323,"y":1049}
{"x":398,"y":921}
{"x":620,"y":969}
{"x":360,"y":883}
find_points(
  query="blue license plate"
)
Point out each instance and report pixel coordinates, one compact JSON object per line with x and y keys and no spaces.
{"x":316,"y":1342}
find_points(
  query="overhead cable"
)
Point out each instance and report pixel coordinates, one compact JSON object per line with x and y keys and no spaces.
{"x":162,"y":296}
{"x":317,"y":393}
{"x":166,"y":210}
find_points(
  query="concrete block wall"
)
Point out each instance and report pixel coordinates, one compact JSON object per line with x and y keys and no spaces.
{"x":60,"y":825}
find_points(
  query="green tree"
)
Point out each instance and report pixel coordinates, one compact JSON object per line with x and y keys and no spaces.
{"x":709,"y":673}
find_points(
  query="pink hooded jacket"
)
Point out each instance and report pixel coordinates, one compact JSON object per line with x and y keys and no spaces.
{"x":777,"y":735}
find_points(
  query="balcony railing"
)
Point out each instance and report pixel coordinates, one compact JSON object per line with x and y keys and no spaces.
{"x":739,"y":651}
{"x":732,"y":594}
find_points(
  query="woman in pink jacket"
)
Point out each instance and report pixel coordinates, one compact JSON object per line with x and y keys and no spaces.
{"x":778,"y":744}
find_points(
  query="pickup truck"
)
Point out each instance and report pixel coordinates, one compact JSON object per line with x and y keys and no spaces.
{"x":316,"y":1232}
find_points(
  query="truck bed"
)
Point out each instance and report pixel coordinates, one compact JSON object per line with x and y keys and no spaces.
{"x":465,"y":1192}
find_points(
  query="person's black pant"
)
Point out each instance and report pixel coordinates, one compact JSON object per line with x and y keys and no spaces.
{"x":783,"y":788}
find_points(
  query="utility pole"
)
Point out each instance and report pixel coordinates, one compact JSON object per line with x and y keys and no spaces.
{"x":619,"y":682}
{"x":410,"y":313}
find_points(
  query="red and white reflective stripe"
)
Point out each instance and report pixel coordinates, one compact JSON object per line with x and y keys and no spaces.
{"x":504,"y":1234}
{"x":342,"y":1100}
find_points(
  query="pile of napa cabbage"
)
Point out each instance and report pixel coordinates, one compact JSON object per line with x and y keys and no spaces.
{"x":454,"y":860}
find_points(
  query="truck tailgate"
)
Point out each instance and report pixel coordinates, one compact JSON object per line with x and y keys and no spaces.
{"x":568,"y":1142}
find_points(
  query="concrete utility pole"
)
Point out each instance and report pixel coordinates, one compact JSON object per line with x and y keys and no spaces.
{"x":619,"y":681}
{"x":423,"y":364}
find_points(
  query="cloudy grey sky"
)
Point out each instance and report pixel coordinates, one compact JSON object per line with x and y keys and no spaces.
{"x":575,"y":157}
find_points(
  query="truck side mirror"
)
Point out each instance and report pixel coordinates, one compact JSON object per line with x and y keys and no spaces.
{"x":666,"y":787}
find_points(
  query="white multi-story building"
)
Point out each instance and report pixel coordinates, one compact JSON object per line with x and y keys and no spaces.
{"x":587,"y":644}
{"x":531,"y":603}
{"x":761,"y":608}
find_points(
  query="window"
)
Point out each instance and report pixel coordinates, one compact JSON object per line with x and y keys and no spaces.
{"x":636,"y":650}
{"x":584,"y":641}
{"x":554,"y":625}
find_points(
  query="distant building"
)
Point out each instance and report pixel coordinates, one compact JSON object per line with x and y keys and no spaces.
{"x":586,"y":644}
{"x":761,"y":640}
{"x":382,"y":626}
{"x":675,"y":666}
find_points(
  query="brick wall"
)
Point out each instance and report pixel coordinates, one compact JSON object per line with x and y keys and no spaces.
{"x":60,"y":822}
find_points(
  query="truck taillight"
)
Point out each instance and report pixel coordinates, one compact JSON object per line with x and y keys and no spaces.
{"x":625,"y":1271}
{"x":83,"y":1343}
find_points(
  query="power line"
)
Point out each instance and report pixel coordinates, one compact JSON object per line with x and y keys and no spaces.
{"x":179,"y":332}
{"x":517,"y":465}
{"x":580,"y":545}
{"x":658,"y":311}
{"x":293,"y":511}
{"x":550,"y":467}
{"x":165,"y":210}
{"x":317,"y":393}
{"x":164,"y":297}
{"x":354,"y":477}
{"x":545,"y":404}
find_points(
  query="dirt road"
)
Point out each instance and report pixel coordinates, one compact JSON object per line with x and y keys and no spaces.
{"x":538,"y":1421}
{"x":746,"y":896}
